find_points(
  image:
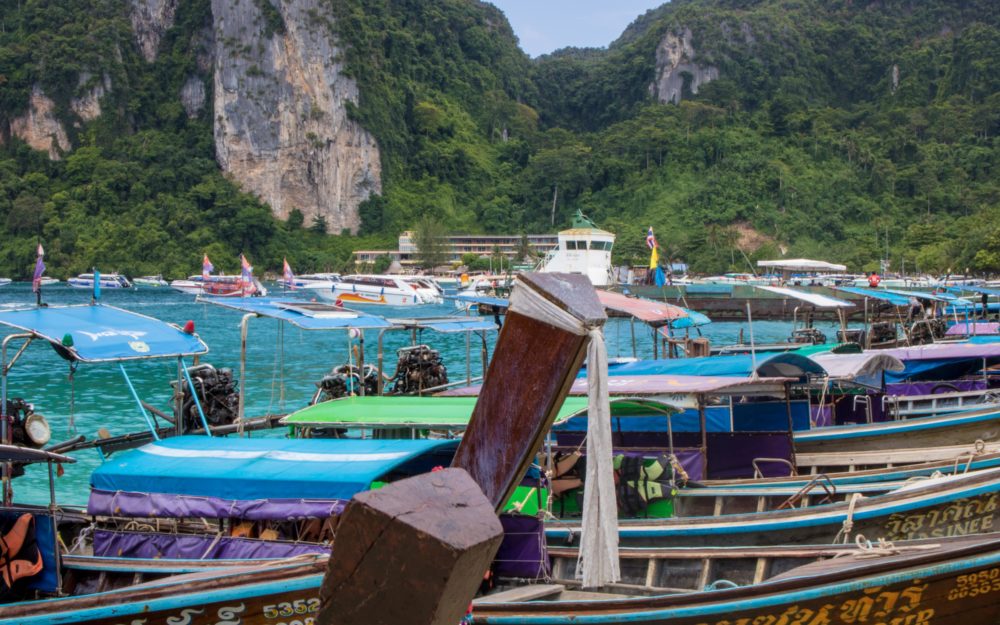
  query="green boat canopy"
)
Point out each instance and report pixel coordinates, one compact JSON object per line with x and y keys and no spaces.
{"x":435,"y":412}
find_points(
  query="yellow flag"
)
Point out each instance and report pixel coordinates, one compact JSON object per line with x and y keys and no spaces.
{"x":653,"y":258}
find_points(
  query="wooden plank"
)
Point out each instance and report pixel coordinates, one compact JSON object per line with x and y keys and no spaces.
{"x":438,"y":527}
{"x":534,"y":365}
{"x":524,"y":593}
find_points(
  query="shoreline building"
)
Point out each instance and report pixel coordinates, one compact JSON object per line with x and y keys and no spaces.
{"x":461,"y":244}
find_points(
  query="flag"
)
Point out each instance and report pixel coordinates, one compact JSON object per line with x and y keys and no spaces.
{"x":289,"y":276}
{"x":654,"y":258}
{"x":36,"y":281}
{"x":206,"y":267}
{"x":246,"y":270}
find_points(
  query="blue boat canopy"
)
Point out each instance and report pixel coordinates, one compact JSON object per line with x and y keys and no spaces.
{"x":982,"y":290}
{"x":497,"y":302}
{"x":302,"y":314}
{"x":783,"y":365}
{"x":252,"y":474}
{"x":100,"y":333}
{"x":879,"y":294}
{"x":446,"y":324}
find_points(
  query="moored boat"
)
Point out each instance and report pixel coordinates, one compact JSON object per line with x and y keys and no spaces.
{"x":376,"y":289}
{"x":219,"y":286}
{"x":5,"y":281}
{"x":106,"y":281}
{"x":150,"y":281}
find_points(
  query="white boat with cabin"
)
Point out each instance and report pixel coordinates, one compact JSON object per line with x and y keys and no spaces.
{"x":107,"y":280}
{"x":584,"y":249}
{"x":375,"y":289}
{"x":154,"y":281}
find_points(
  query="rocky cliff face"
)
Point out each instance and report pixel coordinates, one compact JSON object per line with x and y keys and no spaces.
{"x":150,"y":20}
{"x":675,"y":64}
{"x":39,"y":127}
{"x":281,"y":127}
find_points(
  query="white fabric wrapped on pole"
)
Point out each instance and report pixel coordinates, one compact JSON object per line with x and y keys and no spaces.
{"x":598,"y":561}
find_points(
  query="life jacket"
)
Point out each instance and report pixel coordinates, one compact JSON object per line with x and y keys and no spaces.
{"x":20,"y":556}
{"x":640,"y":483}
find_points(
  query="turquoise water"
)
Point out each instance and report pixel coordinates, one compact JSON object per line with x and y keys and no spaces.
{"x":278,"y":379}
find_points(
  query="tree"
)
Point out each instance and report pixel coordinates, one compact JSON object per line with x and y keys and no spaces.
{"x":318,"y":225}
{"x":295,"y":219}
{"x":430,"y":239}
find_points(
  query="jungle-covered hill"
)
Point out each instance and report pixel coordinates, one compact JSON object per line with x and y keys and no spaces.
{"x":738,"y":129}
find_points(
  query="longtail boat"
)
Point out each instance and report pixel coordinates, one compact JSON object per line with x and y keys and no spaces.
{"x":954,"y":582}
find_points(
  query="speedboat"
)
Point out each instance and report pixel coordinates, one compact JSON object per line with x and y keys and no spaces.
{"x":426,"y":287}
{"x":219,"y":286}
{"x":156,"y":280}
{"x":47,"y":281}
{"x":107,"y":281}
{"x":376,"y":289}
{"x":316,"y":281}
{"x":5,"y":281}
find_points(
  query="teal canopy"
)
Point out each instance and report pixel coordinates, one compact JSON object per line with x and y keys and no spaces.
{"x":100,"y":333}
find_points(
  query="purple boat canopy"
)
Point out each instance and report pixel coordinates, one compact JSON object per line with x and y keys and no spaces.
{"x":943,"y":351}
{"x":974,"y":328}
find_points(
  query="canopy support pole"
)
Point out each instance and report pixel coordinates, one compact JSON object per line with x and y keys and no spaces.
{"x":361,"y":360}
{"x":244,"y":327}
{"x":381,"y":335}
{"x":53,"y":509}
{"x":179,"y":397}
{"x":5,"y":432}
{"x":197,"y":402}
{"x":138,"y":403}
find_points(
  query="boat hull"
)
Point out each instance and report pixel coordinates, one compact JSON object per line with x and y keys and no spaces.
{"x":953,"y":506}
{"x":963,"y":428}
{"x":950,"y":586}
{"x":245,"y":595}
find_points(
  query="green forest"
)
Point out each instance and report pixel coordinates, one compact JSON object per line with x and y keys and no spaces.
{"x":846,"y":130}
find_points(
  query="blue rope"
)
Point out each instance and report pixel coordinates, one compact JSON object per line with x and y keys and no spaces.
{"x":138,"y":402}
{"x":197,"y":402}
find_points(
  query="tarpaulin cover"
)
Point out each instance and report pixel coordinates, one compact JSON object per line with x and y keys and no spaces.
{"x":447,"y":325}
{"x":817,"y":300}
{"x":111,"y":544}
{"x":910,"y":389}
{"x":496,"y":302}
{"x":866,"y":367}
{"x":982,"y":290}
{"x":522,"y":553}
{"x":732,"y":455}
{"x":932,"y":297}
{"x":402,"y":411}
{"x":801,"y":264}
{"x":943,"y":361}
{"x":168,"y":505}
{"x":261,"y":469}
{"x":301,"y":314}
{"x":717,"y":419}
{"x":657,"y":385}
{"x":966,"y":328}
{"x":647,"y":311}
{"x":738,"y":365}
{"x":879,"y":294}
{"x":102,"y":333}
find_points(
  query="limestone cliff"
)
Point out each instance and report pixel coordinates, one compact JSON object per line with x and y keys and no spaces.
{"x":675,"y":64}
{"x":150,"y":20}
{"x":39,"y":127}
{"x":281,"y":126}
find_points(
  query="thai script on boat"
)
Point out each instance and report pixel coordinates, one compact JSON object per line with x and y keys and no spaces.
{"x":975,"y":584}
{"x":960,"y":518}
{"x":874,"y":606}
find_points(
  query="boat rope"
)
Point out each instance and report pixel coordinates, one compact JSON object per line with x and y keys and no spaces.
{"x":80,"y":542}
{"x":848,"y":526}
{"x":721,"y":584}
{"x":211,"y":545}
{"x":599,"y":528}
{"x":978,"y":449}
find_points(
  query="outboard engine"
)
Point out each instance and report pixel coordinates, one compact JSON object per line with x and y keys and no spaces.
{"x":218,"y":393}
{"x":419,"y":368}
{"x":347,"y":380}
{"x":808,"y":336}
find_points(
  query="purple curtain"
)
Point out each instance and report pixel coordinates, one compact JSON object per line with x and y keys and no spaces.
{"x":194,"y":547}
